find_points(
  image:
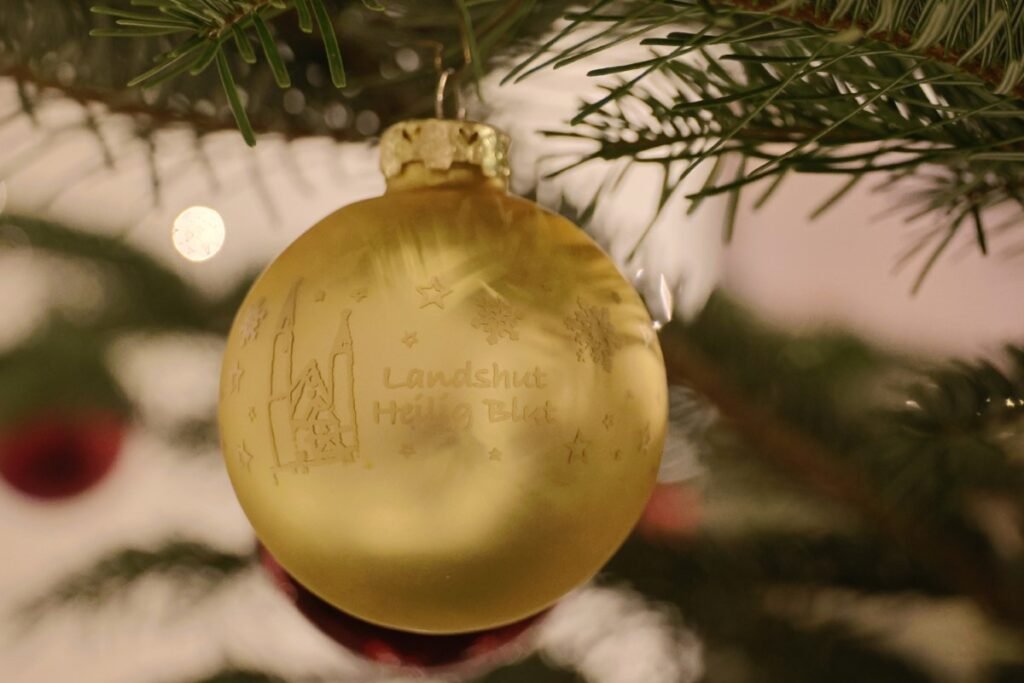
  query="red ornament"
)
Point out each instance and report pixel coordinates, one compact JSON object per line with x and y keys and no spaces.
{"x":673,"y":511}
{"x":402,"y":648}
{"x":58,"y":456}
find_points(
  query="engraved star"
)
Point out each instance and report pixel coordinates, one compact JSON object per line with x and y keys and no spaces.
{"x":252,"y":414}
{"x":407,"y":450}
{"x":320,"y":296}
{"x":410,"y":339}
{"x":608,"y":421}
{"x":244,"y":456}
{"x":236,"y":377}
{"x":578,"y":447}
{"x":360,"y":294}
{"x":495,"y":454}
{"x":433,"y":294}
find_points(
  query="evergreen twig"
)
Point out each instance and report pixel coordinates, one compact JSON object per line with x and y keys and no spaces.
{"x":200,"y":565}
{"x":205,"y":29}
{"x":830,"y":475}
{"x":842,"y":87}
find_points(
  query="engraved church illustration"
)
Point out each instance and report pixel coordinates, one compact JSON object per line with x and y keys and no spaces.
{"x":312,"y":416}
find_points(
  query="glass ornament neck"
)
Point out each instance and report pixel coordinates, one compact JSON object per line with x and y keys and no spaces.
{"x":416,"y":175}
{"x":443,"y":152}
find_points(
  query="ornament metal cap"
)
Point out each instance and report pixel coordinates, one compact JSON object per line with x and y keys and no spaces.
{"x":439,"y":144}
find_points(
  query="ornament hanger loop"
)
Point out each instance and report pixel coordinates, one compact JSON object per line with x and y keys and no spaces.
{"x":441,"y":95}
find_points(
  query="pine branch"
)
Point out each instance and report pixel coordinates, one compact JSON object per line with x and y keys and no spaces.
{"x":193,"y":565}
{"x":531,"y":670}
{"x":720,"y":588}
{"x":856,"y":559}
{"x":855,"y":474}
{"x":234,"y":675}
{"x":64,"y":363}
{"x":849,"y":88}
{"x":37,"y":90}
{"x":980,"y":38}
{"x":61,"y":367}
{"x":239,"y":674}
{"x":977,"y":399}
{"x":205,"y":29}
{"x":147,"y":295}
{"x":389,"y":64}
{"x":960,"y":424}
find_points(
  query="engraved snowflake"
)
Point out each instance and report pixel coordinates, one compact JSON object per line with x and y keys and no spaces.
{"x":250,"y":328}
{"x":592,"y":329}
{"x":497,"y":318}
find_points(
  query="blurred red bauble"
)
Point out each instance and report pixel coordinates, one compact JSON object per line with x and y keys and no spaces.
{"x":57,"y":456}
{"x":673,"y":511}
{"x":402,"y":648}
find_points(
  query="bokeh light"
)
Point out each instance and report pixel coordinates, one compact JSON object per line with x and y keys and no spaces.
{"x":198,"y":233}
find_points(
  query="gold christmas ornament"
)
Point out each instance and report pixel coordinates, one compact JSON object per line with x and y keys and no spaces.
{"x":443,"y":408}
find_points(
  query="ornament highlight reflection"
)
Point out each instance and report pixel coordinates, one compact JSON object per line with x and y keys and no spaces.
{"x":198,"y":233}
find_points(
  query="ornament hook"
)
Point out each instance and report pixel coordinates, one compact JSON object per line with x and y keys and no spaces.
{"x":441,"y":95}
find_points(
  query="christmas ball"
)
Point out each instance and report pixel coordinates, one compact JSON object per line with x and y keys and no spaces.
{"x":674,"y":511}
{"x":462,"y":652}
{"x":443,"y":408}
{"x":60,"y":455}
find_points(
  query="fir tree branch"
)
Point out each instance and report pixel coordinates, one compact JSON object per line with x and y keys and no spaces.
{"x":804,"y":86}
{"x":145,"y":116}
{"x":721,"y":593}
{"x":960,"y":424}
{"x":831,"y":476}
{"x":856,"y":559}
{"x":977,"y":399}
{"x":60,"y":367}
{"x":206,"y":33}
{"x":531,"y":670}
{"x":236,"y":675}
{"x":194,"y":565}
{"x":988,"y":58}
{"x":204,"y":29}
{"x":241,"y":674}
{"x":389,"y":60}
{"x":149,"y":295}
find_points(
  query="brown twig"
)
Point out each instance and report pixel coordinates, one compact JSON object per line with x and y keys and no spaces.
{"x":116,"y":102}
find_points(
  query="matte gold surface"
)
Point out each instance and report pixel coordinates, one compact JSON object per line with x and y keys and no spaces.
{"x":443,"y":408}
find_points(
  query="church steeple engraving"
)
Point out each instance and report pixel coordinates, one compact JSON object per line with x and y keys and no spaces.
{"x":312,"y":417}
